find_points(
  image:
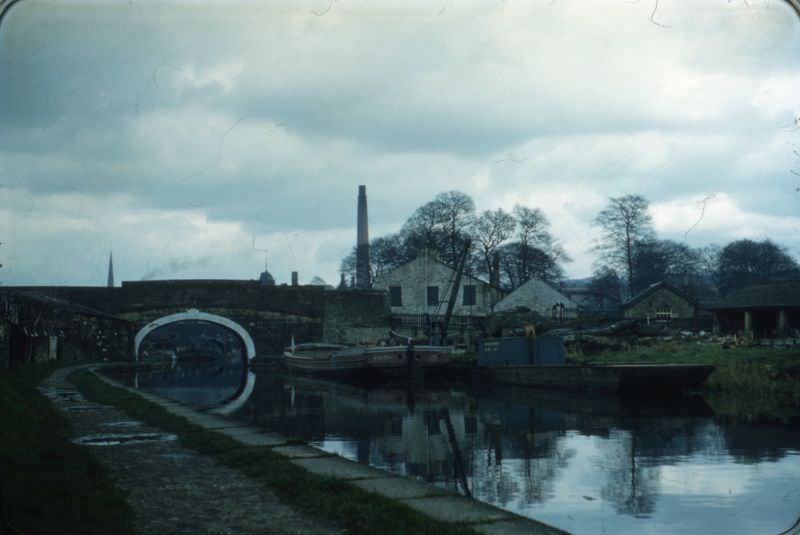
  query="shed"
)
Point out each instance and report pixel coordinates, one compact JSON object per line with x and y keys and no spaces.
{"x":761,"y":311}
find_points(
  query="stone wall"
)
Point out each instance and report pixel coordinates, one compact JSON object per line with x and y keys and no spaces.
{"x":185,"y":294}
{"x":356,"y":316}
{"x":415,"y":277}
{"x":5,"y":332}
{"x":661,"y":298}
{"x":271,"y":315}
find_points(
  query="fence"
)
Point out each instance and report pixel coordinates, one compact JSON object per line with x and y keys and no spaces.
{"x":424,"y":324}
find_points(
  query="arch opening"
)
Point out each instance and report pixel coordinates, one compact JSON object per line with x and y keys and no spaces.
{"x":196,"y":316}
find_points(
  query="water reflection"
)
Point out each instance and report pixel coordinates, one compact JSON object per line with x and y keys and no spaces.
{"x":585,"y":465}
{"x":197,"y":363}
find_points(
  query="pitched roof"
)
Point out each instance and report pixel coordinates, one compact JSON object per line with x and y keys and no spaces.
{"x":652,"y":289}
{"x":518,"y":296}
{"x":781,"y":294}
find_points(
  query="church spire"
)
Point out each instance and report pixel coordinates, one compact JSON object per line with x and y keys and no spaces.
{"x":110,"y":282}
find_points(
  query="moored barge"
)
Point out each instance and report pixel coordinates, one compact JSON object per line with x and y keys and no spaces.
{"x":541,"y":363}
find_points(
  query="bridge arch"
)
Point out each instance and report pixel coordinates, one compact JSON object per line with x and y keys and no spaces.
{"x":195,"y":315}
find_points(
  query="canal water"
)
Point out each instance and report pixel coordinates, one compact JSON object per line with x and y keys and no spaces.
{"x":584,"y":465}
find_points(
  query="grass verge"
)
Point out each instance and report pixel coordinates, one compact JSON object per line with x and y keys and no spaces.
{"x":47,"y":484}
{"x":742,"y":370}
{"x":328,"y":499}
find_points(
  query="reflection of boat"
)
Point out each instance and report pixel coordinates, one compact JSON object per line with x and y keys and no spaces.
{"x":386,"y":398}
{"x":540,"y":362}
{"x":334,"y":359}
{"x":623,"y":379}
{"x":586,"y":412}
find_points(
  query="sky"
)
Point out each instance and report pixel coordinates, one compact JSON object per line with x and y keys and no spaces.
{"x":190,"y":137}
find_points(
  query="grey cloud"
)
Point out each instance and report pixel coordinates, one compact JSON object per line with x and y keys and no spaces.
{"x":397,"y":98}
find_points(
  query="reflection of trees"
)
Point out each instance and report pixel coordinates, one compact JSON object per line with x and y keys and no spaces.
{"x":540,"y":474}
{"x":631,"y":485}
{"x":519,"y":457}
{"x":769,"y":444}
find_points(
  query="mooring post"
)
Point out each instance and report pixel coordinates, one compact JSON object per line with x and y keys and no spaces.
{"x":410,"y":356}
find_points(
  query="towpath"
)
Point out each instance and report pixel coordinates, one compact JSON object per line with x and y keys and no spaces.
{"x":173,"y":489}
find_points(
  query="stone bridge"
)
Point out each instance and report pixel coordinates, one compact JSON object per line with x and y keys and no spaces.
{"x":270,"y":315}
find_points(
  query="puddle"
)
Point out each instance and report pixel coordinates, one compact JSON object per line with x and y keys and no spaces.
{"x":121,"y":439}
{"x":86,"y":408}
{"x":126,"y":423}
{"x":65,"y":395}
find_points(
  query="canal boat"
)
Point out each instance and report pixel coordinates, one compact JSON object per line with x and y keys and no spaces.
{"x":332,"y":359}
{"x":541,"y":362}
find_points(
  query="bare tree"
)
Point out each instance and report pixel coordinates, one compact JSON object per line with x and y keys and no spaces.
{"x":490,"y":230}
{"x":625,"y":224}
{"x":423,"y":229}
{"x":534,"y":253}
{"x":709,"y":264}
{"x":607,"y":286}
{"x":746,"y":262}
{"x":385,"y":253}
{"x":518,"y":264}
{"x":659,"y":260}
{"x":441,"y":224}
{"x":456,"y":214}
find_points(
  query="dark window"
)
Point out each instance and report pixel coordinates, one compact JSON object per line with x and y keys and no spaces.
{"x":396,"y":296}
{"x":469,"y":294}
{"x":433,"y":295}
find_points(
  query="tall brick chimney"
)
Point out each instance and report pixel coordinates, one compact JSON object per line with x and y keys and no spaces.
{"x":362,"y":242}
{"x":110,"y":279}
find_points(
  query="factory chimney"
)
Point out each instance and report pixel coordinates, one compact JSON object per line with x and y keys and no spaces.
{"x":362,"y":242}
{"x":110,"y":279}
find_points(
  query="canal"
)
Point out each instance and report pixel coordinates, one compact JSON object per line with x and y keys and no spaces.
{"x":584,"y":465}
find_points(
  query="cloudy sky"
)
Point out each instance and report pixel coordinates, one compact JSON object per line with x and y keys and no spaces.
{"x":180,"y":133}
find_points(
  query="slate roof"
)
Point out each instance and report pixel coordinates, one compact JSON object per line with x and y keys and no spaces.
{"x":782,"y":294}
{"x":652,"y":289}
{"x":524,"y":287}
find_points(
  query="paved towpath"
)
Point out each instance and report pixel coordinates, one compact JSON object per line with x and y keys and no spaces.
{"x":173,"y":489}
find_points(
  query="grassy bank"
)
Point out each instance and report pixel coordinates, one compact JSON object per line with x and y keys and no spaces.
{"x":47,"y":484}
{"x":741,"y":370}
{"x":325,"y":498}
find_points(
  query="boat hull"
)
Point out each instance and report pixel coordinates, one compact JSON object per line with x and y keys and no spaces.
{"x":387,"y":359}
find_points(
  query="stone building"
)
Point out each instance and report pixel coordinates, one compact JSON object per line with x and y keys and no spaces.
{"x":761,"y":311}
{"x":38,"y":328}
{"x":660,"y":302}
{"x":538,"y":296}
{"x":423,"y":286}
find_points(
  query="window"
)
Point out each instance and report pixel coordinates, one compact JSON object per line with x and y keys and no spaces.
{"x":663,"y":313}
{"x":396,"y":296}
{"x":433,"y":296}
{"x":469,"y":295}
